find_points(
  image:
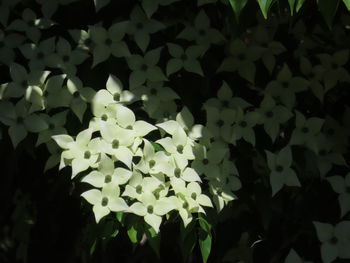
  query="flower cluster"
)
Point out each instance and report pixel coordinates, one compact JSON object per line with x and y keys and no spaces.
{"x":132,"y":174}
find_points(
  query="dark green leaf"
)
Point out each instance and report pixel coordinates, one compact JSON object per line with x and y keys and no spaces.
{"x":157,"y":147}
{"x":328,"y":10}
{"x":205,"y":241}
{"x":347,"y":4}
{"x":237,"y":6}
{"x":154,"y":240}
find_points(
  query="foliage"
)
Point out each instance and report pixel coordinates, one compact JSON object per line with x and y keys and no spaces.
{"x":175,"y":130}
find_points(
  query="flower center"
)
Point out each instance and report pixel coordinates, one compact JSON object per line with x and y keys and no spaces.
{"x":139,"y":189}
{"x":205,"y":161}
{"x":144,"y":67}
{"x":116,"y":96}
{"x":269,"y":114}
{"x":108,"y":179}
{"x":202,"y":32}
{"x":104,"y":117}
{"x":115,"y":144}
{"x":194,"y":196}
{"x":87,"y":154}
{"x":153,"y":91}
{"x":88,"y":42}
{"x":241,"y":56}
{"x":76,"y":94}
{"x":139,"y":26}
{"x":333,"y":240}
{"x":151,"y":163}
{"x":284,"y":84}
{"x":40,"y":55}
{"x":279,"y":168}
{"x":108,"y":42}
{"x":305,"y":130}
{"x":347,"y":189}
{"x":311,"y":75}
{"x":150,"y":209}
{"x":243,"y":124}
{"x":20,"y":119}
{"x":330,"y":132}
{"x":220,"y":123}
{"x":65,"y":58}
{"x":179,"y":148}
{"x":185,"y":205}
{"x":104,"y":201}
{"x":225,"y":103}
{"x":177,"y":172}
{"x":184,"y":57}
{"x":322,"y":152}
{"x":51,"y":126}
{"x":30,"y":23}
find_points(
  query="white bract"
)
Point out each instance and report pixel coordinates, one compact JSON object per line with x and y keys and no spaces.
{"x":281,"y":173}
{"x":80,"y":152}
{"x":108,"y":42}
{"x":105,"y":201}
{"x":341,"y":186}
{"x":153,"y":209}
{"x":335,"y":240}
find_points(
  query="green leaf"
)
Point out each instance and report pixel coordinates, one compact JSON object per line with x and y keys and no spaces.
{"x":93,"y":248}
{"x":237,"y":6}
{"x":204,"y":224}
{"x":265,"y":6}
{"x":291,"y":5}
{"x":299,"y":5}
{"x":328,"y":10}
{"x":135,"y":230}
{"x":154,"y":240}
{"x":347,"y":4}
{"x":188,"y":239}
{"x":120,"y":217}
{"x":157,"y":147}
{"x":205,"y":241}
{"x":204,"y":238}
{"x":100,"y":3}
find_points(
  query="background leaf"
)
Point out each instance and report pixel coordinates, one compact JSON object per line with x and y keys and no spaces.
{"x":237,"y":6}
{"x":328,"y":10}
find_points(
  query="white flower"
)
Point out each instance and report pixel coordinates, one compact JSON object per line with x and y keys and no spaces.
{"x":335,"y":240}
{"x":82,"y":152}
{"x":105,"y":201}
{"x":153,"y":209}
{"x":179,"y":146}
{"x":341,"y":186}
